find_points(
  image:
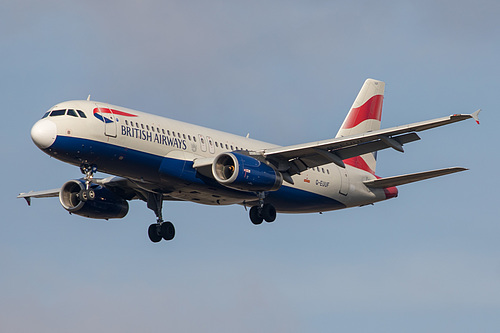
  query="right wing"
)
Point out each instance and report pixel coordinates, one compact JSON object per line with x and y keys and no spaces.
{"x":297,"y":158}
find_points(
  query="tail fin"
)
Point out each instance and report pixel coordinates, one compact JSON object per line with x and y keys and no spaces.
{"x":364,"y":116}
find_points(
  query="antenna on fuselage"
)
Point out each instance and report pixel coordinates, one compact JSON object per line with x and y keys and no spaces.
{"x":88,"y":97}
{"x":248,"y":135}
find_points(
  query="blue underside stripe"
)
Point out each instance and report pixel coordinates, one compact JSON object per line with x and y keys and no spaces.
{"x":168,"y":172}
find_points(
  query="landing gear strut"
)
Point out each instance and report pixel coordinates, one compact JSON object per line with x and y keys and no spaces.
{"x":262,"y":212}
{"x":87,"y":194}
{"x":160,"y":229}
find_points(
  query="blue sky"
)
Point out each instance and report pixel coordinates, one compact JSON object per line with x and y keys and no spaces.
{"x":287,"y":72}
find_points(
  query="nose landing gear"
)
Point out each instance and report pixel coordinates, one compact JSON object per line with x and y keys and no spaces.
{"x":87,"y":194}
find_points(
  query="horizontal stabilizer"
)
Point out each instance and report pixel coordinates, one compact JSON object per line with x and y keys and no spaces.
{"x":410,"y":178}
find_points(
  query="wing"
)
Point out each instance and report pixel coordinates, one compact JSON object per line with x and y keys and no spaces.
{"x":39,"y":194}
{"x":124,"y":187}
{"x":298,"y":158}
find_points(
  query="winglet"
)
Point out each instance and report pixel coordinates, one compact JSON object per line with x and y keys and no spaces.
{"x":475,"y":116}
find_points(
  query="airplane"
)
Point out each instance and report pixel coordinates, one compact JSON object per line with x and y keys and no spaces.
{"x":156,"y":159}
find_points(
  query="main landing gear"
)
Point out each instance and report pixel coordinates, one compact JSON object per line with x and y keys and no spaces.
{"x":159,"y":230}
{"x":87,"y":194}
{"x":263,"y":211}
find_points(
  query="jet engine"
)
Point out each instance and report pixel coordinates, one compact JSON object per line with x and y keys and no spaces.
{"x":98,"y":202}
{"x":245,"y":173}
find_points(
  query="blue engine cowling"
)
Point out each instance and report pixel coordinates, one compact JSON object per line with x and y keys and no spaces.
{"x":105,"y":204}
{"x":245,"y":173}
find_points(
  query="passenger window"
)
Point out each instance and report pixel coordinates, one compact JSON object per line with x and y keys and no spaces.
{"x":126,"y":122}
{"x":142,"y":126}
{"x":46,"y":114}
{"x":189,"y":137}
{"x":216,"y":144}
{"x":173,"y":134}
{"x":179,"y":134}
{"x":322,"y":170}
{"x":158,"y":130}
{"x":81,"y":113}
{"x":227,"y":146}
{"x":327,"y":171}
{"x":147,"y":127}
{"x":184,"y":136}
{"x":137,"y":125}
{"x":56,"y":113}
{"x":194,"y":138}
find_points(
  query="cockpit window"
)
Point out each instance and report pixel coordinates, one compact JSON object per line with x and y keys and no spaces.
{"x":72,"y":113}
{"x":56,"y":113}
{"x":81,"y":113}
{"x":46,"y":114}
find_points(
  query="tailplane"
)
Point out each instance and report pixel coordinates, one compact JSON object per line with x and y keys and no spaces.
{"x":410,"y":178}
{"x":364,"y":116}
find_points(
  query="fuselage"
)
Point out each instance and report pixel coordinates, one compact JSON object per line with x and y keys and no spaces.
{"x":158,"y":154}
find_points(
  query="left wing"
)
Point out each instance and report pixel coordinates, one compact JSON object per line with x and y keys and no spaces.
{"x":39,"y":194}
{"x":298,"y":158}
{"x":124,"y":187}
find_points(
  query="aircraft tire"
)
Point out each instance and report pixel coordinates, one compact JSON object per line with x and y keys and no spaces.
{"x":268,"y":213}
{"x":255,"y":216}
{"x":167,"y":231}
{"x":83,"y":196}
{"x":154,"y":236}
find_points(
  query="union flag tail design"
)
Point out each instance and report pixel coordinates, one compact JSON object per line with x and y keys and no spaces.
{"x":364,"y":116}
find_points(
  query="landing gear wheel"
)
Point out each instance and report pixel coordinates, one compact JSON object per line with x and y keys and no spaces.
{"x":268,"y":213}
{"x":83,"y":195}
{"x":153,"y":233}
{"x":255,"y":215}
{"x":87,"y":195}
{"x":167,"y":231}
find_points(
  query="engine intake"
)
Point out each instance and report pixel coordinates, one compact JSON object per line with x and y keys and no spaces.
{"x":245,"y":173}
{"x":104,"y":205}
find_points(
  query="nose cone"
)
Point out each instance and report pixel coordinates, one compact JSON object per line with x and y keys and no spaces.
{"x":44,"y":133}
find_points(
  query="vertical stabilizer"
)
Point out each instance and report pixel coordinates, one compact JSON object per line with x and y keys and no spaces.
{"x":364,"y":116}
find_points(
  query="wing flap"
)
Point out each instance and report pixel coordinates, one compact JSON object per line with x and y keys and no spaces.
{"x":410,"y":178}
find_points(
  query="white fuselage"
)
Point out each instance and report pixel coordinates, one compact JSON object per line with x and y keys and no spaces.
{"x":157,"y":153}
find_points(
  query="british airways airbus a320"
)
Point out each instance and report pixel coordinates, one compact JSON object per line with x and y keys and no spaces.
{"x":157,"y":159}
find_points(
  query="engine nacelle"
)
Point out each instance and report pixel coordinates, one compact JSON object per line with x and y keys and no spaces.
{"x":104,"y":205}
{"x":245,"y":173}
